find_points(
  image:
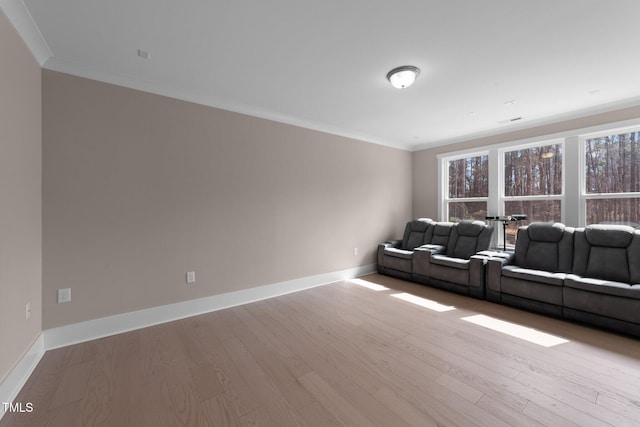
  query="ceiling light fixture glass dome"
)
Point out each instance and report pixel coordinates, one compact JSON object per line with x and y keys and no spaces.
{"x":403,"y":77}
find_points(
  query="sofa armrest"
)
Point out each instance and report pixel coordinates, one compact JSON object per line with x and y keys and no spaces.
{"x":433,"y":249}
{"x":494,"y":268}
{"x":392,"y":244}
{"x":477,"y":265}
{"x":384,"y":245}
{"x":508,"y":256}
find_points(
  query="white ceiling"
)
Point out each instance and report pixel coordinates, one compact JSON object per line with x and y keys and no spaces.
{"x":322,"y":64}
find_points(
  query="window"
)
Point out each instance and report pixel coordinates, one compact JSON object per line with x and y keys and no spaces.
{"x":576,"y":177}
{"x":527,"y":179}
{"x":533,"y":185}
{"x":612,"y":178}
{"x":468,"y":188}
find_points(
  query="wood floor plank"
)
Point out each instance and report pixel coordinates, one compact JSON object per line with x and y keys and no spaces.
{"x":270,"y":397}
{"x":218,"y":411}
{"x":73,"y":386}
{"x":153,"y":406}
{"x":507,"y":413}
{"x":186,"y":407}
{"x":460,"y":388}
{"x":334,"y":402}
{"x":629,"y":409}
{"x":237,"y":390}
{"x":340,"y":354}
{"x":375,"y":409}
{"x":405,"y":409}
{"x":206,"y":384}
{"x":567,"y":395}
{"x":548,"y":417}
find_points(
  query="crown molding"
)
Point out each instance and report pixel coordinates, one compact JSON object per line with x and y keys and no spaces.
{"x":23,"y":22}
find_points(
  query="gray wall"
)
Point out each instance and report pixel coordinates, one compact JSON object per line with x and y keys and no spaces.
{"x":139,"y":189}
{"x":20,"y":197}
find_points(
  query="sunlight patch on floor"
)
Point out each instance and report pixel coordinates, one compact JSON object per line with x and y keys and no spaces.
{"x":367,"y":284}
{"x":515,"y":330}
{"x":423,"y":302}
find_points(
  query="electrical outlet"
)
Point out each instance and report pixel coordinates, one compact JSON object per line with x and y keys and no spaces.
{"x":64,"y":295}
{"x":355,"y":251}
{"x":191,"y":276}
{"x":27,"y":309}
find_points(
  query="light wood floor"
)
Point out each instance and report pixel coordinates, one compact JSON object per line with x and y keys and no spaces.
{"x":340,"y":354}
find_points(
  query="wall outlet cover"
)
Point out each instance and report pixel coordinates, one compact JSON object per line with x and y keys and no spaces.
{"x":64,"y":295}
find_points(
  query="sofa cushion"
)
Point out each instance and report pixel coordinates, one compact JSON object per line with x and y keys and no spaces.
{"x":470,"y":228}
{"x":545,"y":246}
{"x":398,"y":253}
{"x":461,"y":264}
{"x":542,"y":256}
{"x":414,"y":233}
{"x":540,"y":276}
{"x":612,"y":236}
{"x":541,"y":292}
{"x":464,"y":247}
{"x":441,"y":233}
{"x":544,"y":232}
{"x":607,"y":252}
{"x":608,"y":264}
{"x":399,"y":263}
{"x":601,"y":286}
{"x":463,"y":241}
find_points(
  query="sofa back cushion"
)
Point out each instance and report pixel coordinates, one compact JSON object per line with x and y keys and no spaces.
{"x":416,"y":232}
{"x":441,"y":233}
{"x":545,"y":246}
{"x":468,"y":238}
{"x":606,"y":252}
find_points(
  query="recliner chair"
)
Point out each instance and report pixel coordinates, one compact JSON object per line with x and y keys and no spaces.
{"x":533,"y":277}
{"x":395,"y":256}
{"x":604,"y":285}
{"x":460,"y":268}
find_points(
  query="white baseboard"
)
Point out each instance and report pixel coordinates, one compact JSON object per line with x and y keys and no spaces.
{"x":13,"y":383}
{"x":111,"y":325}
{"x":106,"y":326}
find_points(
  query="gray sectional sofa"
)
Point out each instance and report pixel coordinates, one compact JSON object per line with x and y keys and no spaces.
{"x":589,"y":274}
{"x":440,"y":254}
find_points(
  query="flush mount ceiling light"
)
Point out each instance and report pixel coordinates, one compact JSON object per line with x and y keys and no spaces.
{"x":403,"y":77}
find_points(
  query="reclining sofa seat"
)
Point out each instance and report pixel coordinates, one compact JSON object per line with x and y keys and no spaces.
{"x":460,"y":268}
{"x":395,"y":257}
{"x":533,"y":277}
{"x":604,"y":286}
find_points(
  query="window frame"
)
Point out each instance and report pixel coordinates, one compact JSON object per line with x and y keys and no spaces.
{"x":496,"y":198}
{"x":584,"y":196}
{"x":503,"y":198}
{"x":443,"y":178}
{"x":574,"y":205}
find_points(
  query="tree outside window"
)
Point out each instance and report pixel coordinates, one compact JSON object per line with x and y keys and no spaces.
{"x":533,"y":185}
{"x":468,"y":188}
{"x":612,"y":179}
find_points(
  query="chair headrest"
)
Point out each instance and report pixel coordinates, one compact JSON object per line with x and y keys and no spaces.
{"x":470,"y":228}
{"x":613,"y":236}
{"x":443,"y":228}
{"x":420,"y":224}
{"x":545,"y":231}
